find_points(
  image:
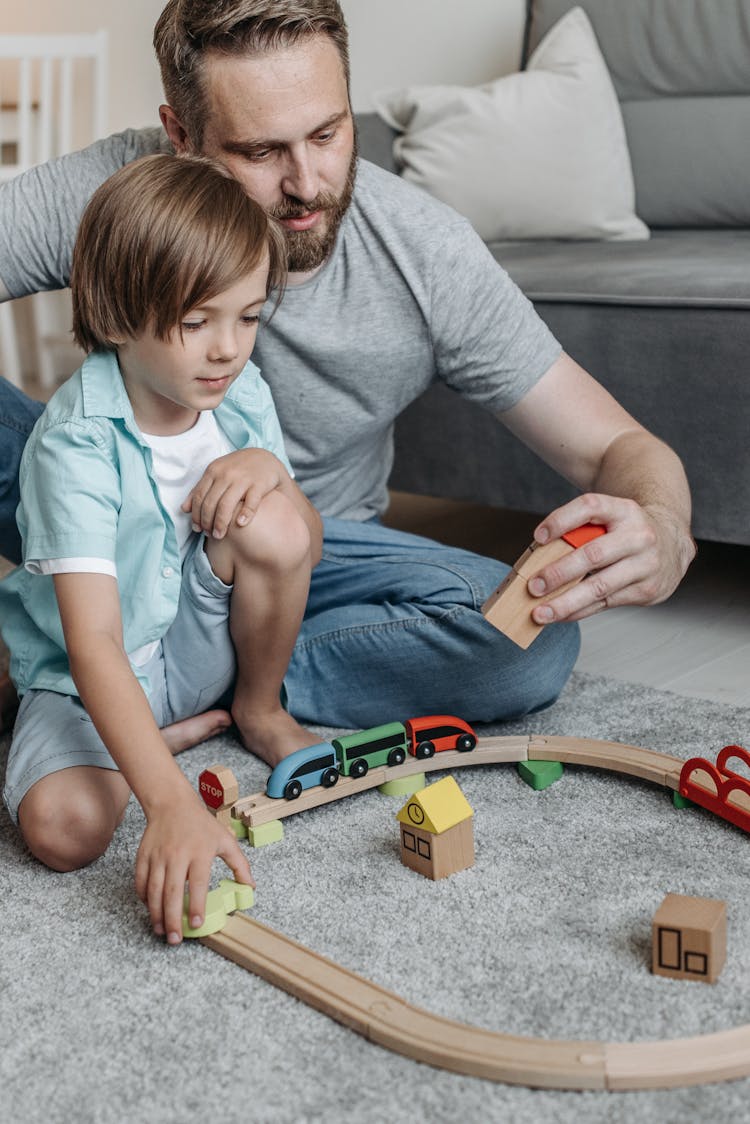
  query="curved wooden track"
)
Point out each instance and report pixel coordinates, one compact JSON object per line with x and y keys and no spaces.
{"x":647,"y":764}
{"x":388,"y":1020}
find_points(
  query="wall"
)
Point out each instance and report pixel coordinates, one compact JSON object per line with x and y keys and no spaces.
{"x":405,"y":42}
{"x":393,"y":42}
{"x":134,"y":87}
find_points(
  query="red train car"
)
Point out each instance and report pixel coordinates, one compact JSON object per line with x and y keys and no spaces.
{"x":436,"y":732}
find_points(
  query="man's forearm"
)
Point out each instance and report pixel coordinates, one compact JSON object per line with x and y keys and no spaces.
{"x":640,"y":467}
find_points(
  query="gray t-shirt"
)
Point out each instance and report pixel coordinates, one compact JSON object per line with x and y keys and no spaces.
{"x":409,"y":295}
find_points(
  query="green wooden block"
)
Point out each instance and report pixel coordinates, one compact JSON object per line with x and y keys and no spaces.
{"x":265,"y":833}
{"x":540,"y":774}
{"x":681,"y":801}
{"x":404,"y":786}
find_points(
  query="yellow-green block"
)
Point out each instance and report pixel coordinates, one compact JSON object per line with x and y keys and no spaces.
{"x":404,"y":786}
{"x":238,"y":828}
{"x":225,"y":899}
{"x":265,"y":833}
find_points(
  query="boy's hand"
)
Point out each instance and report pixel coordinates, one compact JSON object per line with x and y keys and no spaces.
{"x":233,"y":484}
{"x":178,"y":847}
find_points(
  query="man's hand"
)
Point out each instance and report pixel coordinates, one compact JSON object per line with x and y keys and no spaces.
{"x":178,"y":847}
{"x":233,"y":487}
{"x":639,"y":561}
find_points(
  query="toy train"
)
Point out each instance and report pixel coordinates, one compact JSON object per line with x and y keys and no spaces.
{"x":354,"y":754}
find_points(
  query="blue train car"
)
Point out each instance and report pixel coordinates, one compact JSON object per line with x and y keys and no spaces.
{"x":305,"y":768}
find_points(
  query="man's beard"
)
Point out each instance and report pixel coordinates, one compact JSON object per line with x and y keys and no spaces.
{"x":308,"y":249}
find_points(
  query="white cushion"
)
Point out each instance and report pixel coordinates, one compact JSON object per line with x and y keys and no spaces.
{"x":539,"y":154}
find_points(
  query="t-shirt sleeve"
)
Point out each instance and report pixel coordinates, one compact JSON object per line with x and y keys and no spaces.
{"x":70,"y":496}
{"x":489,"y":342}
{"x":40,"y":210}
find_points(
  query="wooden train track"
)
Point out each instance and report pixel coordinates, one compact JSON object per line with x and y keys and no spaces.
{"x":646,"y":764}
{"x":388,"y":1020}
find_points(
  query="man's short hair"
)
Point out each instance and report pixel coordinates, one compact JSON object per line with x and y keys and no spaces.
{"x":187,"y":29}
{"x":161,"y":236}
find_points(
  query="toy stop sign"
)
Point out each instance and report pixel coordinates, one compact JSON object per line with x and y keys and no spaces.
{"x":218,"y":786}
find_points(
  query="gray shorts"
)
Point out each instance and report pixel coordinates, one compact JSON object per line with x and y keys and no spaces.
{"x":192,"y":668}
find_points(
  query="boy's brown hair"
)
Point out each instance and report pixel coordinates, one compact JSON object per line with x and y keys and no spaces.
{"x":162,"y":235}
{"x":188,"y":29}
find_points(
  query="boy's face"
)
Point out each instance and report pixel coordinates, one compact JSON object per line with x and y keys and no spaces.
{"x":170,"y":381}
{"x":281,"y":124}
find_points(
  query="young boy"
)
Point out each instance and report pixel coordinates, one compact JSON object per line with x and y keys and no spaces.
{"x":167,"y":550}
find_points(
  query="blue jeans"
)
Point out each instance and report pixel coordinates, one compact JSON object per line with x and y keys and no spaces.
{"x":17,"y":416}
{"x":392,"y":628}
{"x":393,"y":631}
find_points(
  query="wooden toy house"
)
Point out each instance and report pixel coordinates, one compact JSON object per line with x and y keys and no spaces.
{"x":690,"y":938}
{"x":437,"y":833}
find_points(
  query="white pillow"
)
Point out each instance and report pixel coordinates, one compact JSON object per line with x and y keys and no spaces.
{"x":539,"y":154}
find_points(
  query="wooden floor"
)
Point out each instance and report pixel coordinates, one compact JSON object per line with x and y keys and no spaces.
{"x":697,"y":643}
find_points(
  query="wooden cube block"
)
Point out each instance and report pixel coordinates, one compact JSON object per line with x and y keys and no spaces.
{"x":689,"y":938}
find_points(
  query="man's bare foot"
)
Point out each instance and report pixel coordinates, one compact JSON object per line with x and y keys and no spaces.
{"x":272,"y":736}
{"x":191,"y":731}
{"x":8,"y":704}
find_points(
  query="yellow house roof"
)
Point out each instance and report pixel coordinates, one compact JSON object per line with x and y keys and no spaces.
{"x":437,"y":807}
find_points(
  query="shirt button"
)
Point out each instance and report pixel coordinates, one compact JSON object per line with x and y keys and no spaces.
{"x":167,"y":572}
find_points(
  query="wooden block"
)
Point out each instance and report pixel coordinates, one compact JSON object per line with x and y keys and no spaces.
{"x":509,"y":610}
{"x":689,"y":938}
{"x":510,"y":606}
{"x":540,"y":555}
{"x":265,"y":833}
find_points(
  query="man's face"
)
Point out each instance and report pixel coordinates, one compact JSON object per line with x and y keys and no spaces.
{"x":281,"y":124}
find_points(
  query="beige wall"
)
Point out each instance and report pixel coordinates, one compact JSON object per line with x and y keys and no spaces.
{"x":402,"y":42}
{"x":134,"y":87}
{"x":393,"y":42}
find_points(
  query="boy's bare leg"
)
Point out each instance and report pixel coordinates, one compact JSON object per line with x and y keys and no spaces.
{"x":68,"y":818}
{"x":268,"y":561}
{"x":192,"y":731}
{"x":178,"y":736}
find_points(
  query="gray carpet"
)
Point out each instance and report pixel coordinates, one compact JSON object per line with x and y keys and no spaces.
{"x":547,"y":935}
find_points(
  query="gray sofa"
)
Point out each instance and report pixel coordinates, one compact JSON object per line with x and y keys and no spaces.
{"x":664,"y":324}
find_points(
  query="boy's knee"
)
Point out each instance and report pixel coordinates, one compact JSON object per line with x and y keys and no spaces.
{"x":65,"y":834}
{"x":277,"y":536}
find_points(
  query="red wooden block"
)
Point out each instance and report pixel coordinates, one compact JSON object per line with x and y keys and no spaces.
{"x":579,"y":536}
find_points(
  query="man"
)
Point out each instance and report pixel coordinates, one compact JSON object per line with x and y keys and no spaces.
{"x":388,"y":291}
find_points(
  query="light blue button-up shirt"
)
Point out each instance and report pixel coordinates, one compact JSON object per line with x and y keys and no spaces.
{"x":88,"y":491}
